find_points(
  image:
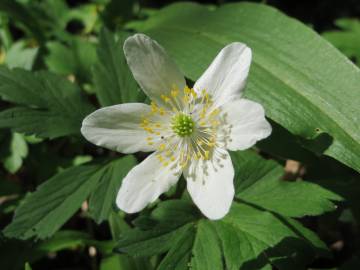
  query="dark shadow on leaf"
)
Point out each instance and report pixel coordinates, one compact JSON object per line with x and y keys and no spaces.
{"x":285,"y":145}
{"x":319,"y":144}
{"x":291,"y":253}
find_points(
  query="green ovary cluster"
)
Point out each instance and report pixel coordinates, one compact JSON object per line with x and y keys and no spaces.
{"x":183,"y":125}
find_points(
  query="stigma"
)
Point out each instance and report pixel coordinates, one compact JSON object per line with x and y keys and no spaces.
{"x":182,"y":125}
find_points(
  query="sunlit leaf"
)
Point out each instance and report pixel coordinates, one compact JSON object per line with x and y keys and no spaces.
{"x":45,"y":210}
{"x":237,"y":241}
{"x":46,"y":105}
{"x":260,"y":182}
{"x":305,"y":84}
{"x":103,"y":197}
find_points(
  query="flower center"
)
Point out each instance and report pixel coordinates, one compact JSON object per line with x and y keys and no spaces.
{"x":187,"y":128}
{"x":182,"y":125}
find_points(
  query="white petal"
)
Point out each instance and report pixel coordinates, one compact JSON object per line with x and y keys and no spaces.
{"x":225,"y":78}
{"x":152,"y":68}
{"x":145,"y":183}
{"x":210,"y":184}
{"x":248,"y":123}
{"x":118,"y":128}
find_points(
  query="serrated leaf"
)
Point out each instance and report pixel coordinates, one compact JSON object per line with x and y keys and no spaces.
{"x":140,"y":243}
{"x":295,"y":74}
{"x":259,"y":182}
{"x":113,"y":80}
{"x":103,"y":197}
{"x":239,"y":240}
{"x":163,"y":227}
{"x":46,"y":105}
{"x":179,"y":255}
{"x":44,"y":211}
{"x":206,"y":249}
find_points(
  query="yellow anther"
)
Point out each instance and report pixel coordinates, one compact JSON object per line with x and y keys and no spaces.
{"x":174,"y":93}
{"x":215,"y":123}
{"x":206,"y":154}
{"x":215,"y":112}
{"x":193,"y":93}
{"x":158,"y":125}
{"x":162,"y":111}
{"x":166,"y":163}
{"x":154,"y":107}
{"x":165,"y":98}
{"x":185,"y":99}
{"x":172,"y":158}
{"x":162,"y":147}
{"x":207,"y":100}
{"x":187,"y":90}
{"x":149,"y":138}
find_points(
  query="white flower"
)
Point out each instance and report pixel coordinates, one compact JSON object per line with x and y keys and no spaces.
{"x":189,"y":129}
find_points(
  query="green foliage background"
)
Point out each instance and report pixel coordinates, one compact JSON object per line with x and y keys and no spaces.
{"x":297,"y":192}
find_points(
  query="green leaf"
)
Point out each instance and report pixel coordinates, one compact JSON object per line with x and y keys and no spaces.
{"x":24,"y":15}
{"x":148,"y":243}
{"x":297,"y":76}
{"x":238,"y":241}
{"x":65,"y":240}
{"x":104,"y":195}
{"x":77,"y":58}
{"x":118,"y":12}
{"x":46,"y":105}
{"x":27,"y":266}
{"x":43,"y":212}
{"x":206,"y":250}
{"x":87,"y":14}
{"x":179,"y":254}
{"x":112,"y":77}
{"x":15,"y":253}
{"x":18,"y":151}
{"x":116,"y":262}
{"x":258,"y":181}
{"x":347,"y":40}
{"x":20,"y":56}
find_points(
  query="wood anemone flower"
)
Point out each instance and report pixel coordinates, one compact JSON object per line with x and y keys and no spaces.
{"x":190,"y":130}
